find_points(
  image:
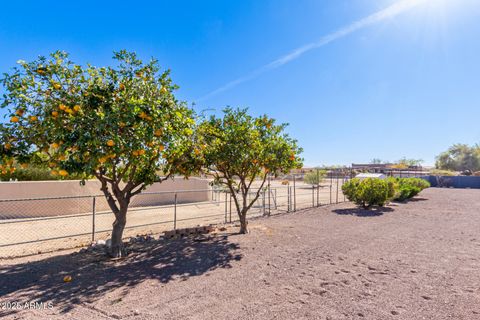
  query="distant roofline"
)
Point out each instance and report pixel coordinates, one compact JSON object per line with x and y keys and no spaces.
{"x":381,"y":166}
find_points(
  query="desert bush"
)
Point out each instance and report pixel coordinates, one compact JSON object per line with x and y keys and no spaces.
{"x":410,"y":187}
{"x":392,"y":185}
{"x":315,"y":177}
{"x":406,"y":192}
{"x":350,"y":188}
{"x":369,"y":192}
{"x":418,"y":182}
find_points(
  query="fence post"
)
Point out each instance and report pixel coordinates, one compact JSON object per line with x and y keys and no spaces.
{"x":93,"y":218}
{"x":175,"y":213}
{"x":318,"y":195}
{"x":288,"y":198}
{"x":331,"y":183}
{"x":263,"y":202}
{"x":313,"y":196}
{"x":225,"y":206}
{"x":294,"y":195}
{"x":275,"y":198}
{"x":230,"y":208}
{"x":269,"y":191}
{"x":336,"y":201}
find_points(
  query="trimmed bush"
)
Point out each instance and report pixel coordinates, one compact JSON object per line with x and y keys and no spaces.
{"x":406,"y":192}
{"x":350,"y":188}
{"x":410,"y":187}
{"x":372,"y":191}
{"x":418,"y":182}
{"x":392,"y":184}
{"x":369,"y":192}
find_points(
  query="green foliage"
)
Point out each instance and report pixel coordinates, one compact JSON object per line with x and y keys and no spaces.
{"x":110,"y":121}
{"x":392,"y":185}
{"x":372,"y":191}
{"x":369,"y":192}
{"x":459,"y":157}
{"x":315,"y":177}
{"x":410,"y":187}
{"x":238,"y":149}
{"x":30,"y":173}
{"x":33,"y":171}
{"x":407,"y":192}
{"x":350,"y":190}
{"x":247,"y":147}
{"x":417,"y":182}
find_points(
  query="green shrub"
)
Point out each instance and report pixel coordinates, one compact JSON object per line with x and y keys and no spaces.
{"x":410,"y":187}
{"x":315,"y":177}
{"x":392,"y":184}
{"x":407,"y":192}
{"x":369,"y":192}
{"x":418,"y":182}
{"x":350,"y":188}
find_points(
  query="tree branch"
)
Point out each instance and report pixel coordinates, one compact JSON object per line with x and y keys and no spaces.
{"x":235,"y":199}
{"x":258,"y":193}
{"x":123,"y":172}
{"x":108,"y":195}
{"x":134,"y":193}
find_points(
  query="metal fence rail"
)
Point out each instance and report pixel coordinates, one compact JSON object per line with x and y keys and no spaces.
{"x":30,"y":226}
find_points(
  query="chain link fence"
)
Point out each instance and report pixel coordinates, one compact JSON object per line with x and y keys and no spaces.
{"x":31,"y":226}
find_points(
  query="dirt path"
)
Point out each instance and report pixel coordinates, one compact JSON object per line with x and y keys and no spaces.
{"x":418,"y":260}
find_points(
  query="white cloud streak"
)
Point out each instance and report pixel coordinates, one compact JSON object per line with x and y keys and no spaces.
{"x":384,"y":14}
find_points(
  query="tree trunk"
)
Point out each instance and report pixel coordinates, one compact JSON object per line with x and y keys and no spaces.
{"x":117,"y":249}
{"x":243,"y":222}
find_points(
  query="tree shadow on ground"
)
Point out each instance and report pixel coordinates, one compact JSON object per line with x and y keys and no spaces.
{"x":361,"y":212}
{"x":94,"y":274}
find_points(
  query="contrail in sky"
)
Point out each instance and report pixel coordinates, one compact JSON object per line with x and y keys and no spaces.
{"x":389,"y":12}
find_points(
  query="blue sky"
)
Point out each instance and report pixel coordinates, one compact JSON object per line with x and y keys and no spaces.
{"x":407,"y":85}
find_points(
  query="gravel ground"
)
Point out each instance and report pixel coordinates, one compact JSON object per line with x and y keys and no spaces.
{"x":416,"y":260}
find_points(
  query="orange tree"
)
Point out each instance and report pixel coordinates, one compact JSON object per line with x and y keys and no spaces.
{"x":120,"y":124}
{"x":239,"y":151}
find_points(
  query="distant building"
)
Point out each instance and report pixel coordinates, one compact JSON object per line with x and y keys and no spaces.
{"x":372,"y":167}
{"x":370,"y":175}
{"x":390,"y":169}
